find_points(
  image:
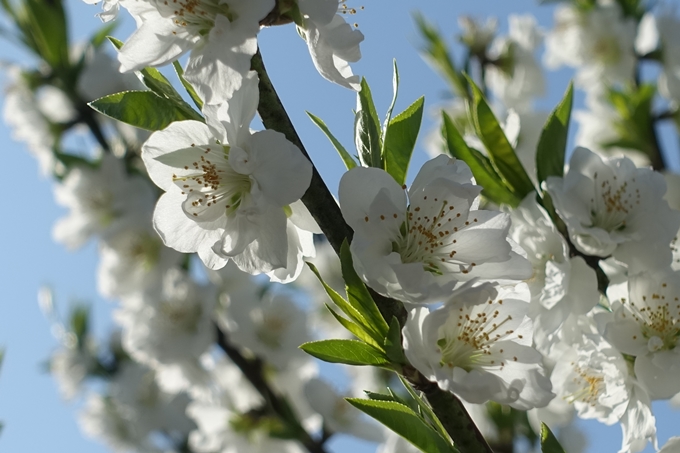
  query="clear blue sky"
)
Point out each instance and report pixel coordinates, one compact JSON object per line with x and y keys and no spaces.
{"x":36,"y":420}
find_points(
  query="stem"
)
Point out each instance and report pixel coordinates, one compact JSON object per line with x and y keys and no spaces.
{"x":326,"y":212}
{"x":253,"y":370}
{"x":318,"y":198}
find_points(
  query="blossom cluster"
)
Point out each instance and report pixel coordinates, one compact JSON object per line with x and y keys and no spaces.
{"x":552,"y":289}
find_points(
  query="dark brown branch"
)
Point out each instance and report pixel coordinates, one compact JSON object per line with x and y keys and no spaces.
{"x":326,"y":212}
{"x":252,"y":369}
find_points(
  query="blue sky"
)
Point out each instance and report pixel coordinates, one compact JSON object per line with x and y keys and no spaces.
{"x":35,"y":417}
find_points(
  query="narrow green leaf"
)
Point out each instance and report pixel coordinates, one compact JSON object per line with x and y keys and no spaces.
{"x":379,"y":396}
{"x":395,"y":93}
{"x":552,"y":144}
{"x":393,"y":347}
{"x":367,"y":131}
{"x":339,"y":301}
{"x":549,"y":443}
{"x":98,"y":38}
{"x":497,"y":145}
{"x":79,"y":323}
{"x":358,"y":296}
{"x":350,"y":352}
{"x":425,"y":408}
{"x":440,"y":57}
{"x":344,"y":155}
{"x":49,"y":32}
{"x":142,"y":109}
{"x":400,"y":140}
{"x":355,"y":329}
{"x":159,"y":84}
{"x":187,"y":86}
{"x":484,"y":173}
{"x":403,"y":421}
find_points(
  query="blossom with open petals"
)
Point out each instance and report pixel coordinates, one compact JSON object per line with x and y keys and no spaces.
{"x":417,"y":250}
{"x":478,"y":345}
{"x":229,"y":191}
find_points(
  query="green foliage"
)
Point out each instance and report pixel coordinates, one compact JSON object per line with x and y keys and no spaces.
{"x":46,"y":30}
{"x":344,"y":155}
{"x":143,"y":109}
{"x":635,"y":123}
{"x":552,"y":144}
{"x":79,"y":323}
{"x":549,"y":443}
{"x":401,"y":134}
{"x":393,"y":348}
{"x":159,"y":84}
{"x":404,"y":421}
{"x":350,"y":352}
{"x":358,"y":295}
{"x":501,"y":152}
{"x":367,"y":132}
{"x":440,"y":57}
{"x":389,"y":147}
{"x":187,"y":86}
{"x":484,"y":172}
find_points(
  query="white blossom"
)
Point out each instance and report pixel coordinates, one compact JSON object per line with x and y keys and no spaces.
{"x":332,"y":42}
{"x":598,"y":42}
{"x":101,"y":200}
{"x":171,"y":326}
{"x":478,"y":345}
{"x":418,"y":249}
{"x":645,"y":325}
{"x":220,"y":34}
{"x":516,"y":77}
{"x":229,"y":191}
{"x":610,"y":206}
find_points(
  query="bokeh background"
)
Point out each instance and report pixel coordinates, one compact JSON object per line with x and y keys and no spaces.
{"x":35,"y":417}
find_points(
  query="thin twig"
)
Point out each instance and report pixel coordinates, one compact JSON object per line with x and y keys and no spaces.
{"x":253,"y":370}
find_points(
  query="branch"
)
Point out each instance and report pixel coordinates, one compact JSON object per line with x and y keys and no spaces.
{"x":253,"y":370}
{"x":326,"y":212}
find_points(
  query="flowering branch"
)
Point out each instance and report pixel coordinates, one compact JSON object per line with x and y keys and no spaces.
{"x":325,"y":211}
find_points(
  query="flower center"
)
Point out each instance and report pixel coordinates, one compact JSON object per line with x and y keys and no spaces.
{"x":588,"y":384}
{"x":428,"y":235}
{"x":468,"y":336}
{"x":612,"y":203}
{"x":659,"y":319}
{"x":215,"y":188}
{"x":196,"y":16}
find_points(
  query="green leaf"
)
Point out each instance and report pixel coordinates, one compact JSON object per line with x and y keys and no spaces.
{"x":187,"y":86}
{"x":79,"y":323}
{"x":403,"y":421}
{"x":440,"y":57}
{"x":159,"y":84}
{"x":339,"y":301}
{"x":48,"y":30}
{"x":359,"y":297}
{"x":379,"y":396}
{"x":485,"y":174}
{"x":98,"y":38}
{"x":393,"y":347}
{"x":552,"y":144}
{"x":395,"y":92}
{"x":142,"y":109}
{"x":355,"y":329}
{"x":344,"y":155}
{"x":549,"y":443}
{"x":367,"y":132}
{"x":497,"y":145}
{"x":425,"y":408}
{"x":350,"y":352}
{"x":400,"y":140}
